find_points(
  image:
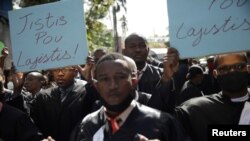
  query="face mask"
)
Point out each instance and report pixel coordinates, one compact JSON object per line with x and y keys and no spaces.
{"x":119,"y":107}
{"x":233,"y":81}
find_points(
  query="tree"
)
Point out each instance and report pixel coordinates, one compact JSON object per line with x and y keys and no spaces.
{"x":97,"y":33}
{"x":124,"y":25}
{"x":115,"y":9}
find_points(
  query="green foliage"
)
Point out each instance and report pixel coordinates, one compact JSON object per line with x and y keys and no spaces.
{"x":157,"y":44}
{"x":98,"y":9}
{"x":97,"y":33}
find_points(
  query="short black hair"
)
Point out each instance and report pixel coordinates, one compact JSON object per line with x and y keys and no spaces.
{"x":104,"y":50}
{"x":134,"y":35}
{"x":38,"y":74}
{"x":112,"y":57}
{"x":194,"y":70}
{"x":217,"y":57}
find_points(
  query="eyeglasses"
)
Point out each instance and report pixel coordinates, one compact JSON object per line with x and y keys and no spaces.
{"x":64,"y":70}
{"x":227,"y":68}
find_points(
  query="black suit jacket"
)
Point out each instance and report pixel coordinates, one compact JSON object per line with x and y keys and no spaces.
{"x":15,"y":99}
{"x":58,"y":119}
{"x":17,"y":126}
{"x":150,"y":79}
{"x":188,"y":91}
{"x":197,"y":114}
{"x":143,"y":120}
{"x":163,"y":95}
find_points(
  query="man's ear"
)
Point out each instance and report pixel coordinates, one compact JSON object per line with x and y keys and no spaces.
{"x":134,"y":80}
{"x":123,"y":51}
{"x":75,"y":71}
{"x":148,"y":49}
{"x":215,"y":73}
{"x":43,"y":82}
{"x":248,"y":68}
{"x":94,"y":82}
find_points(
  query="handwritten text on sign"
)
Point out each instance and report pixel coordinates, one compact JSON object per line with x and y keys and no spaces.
{"x":209,"y":27}
{"x":48,"y":36}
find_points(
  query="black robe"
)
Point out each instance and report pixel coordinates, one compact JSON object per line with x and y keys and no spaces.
{"x":198,"y":113}
{"x":150,"y":82}
{"x":16,"y":100}
{"x":17,"y":126}
{"x":143,"y":120}
{"x":58,"y":119}
{"x":188,"y":91}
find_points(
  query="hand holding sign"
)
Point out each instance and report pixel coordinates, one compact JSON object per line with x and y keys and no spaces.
{"x":171,"y":64}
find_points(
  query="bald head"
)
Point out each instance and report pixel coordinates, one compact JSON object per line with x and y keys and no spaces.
{"x":223,"y":57}
{"x":37,"y":75}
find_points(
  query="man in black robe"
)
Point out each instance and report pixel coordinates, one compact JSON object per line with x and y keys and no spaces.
{"x":191,"y":87}
{"x":16,"y":125}
{"x":141,"y":97}
{"x":122,"y":118}
{"x":57,"y":110}
{"x":223,"y":108}
{"x":151,"y":79}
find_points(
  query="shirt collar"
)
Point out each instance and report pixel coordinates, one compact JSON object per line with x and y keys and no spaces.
{"x":241,"y":99}
{"x":122,"y":117}
{"x":136,"y":98}
{"x":140,"y":72}
{"x":35,"y":95}
{"x":68,"y":89}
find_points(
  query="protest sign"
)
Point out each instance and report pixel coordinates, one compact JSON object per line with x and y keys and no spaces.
{"x":48,"y":36}
{"x":200,"y":28}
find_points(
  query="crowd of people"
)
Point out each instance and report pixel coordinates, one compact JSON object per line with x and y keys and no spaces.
{"x":125,"y":97}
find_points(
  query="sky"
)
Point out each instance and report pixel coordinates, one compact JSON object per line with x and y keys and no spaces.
{"x":147,"y":17}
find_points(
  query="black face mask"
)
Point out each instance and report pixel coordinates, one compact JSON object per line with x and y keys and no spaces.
{"x":119,"y":107}
{"x":233,"y":81}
